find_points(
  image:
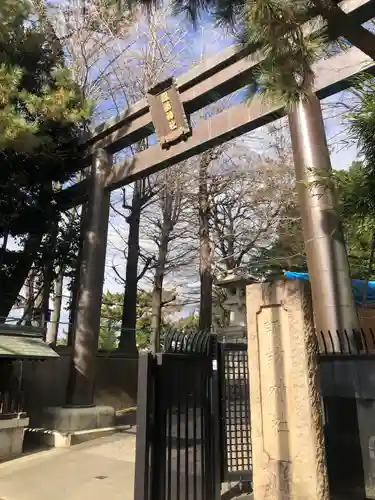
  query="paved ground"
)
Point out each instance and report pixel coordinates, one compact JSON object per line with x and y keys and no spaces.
{"x":102,"y":469}
{"x":97,"y":470}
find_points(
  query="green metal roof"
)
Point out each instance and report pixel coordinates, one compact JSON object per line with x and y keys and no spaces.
{"x":24,"y":342}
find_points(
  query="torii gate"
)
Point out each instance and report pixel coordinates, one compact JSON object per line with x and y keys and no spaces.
{"x":221,"y":75}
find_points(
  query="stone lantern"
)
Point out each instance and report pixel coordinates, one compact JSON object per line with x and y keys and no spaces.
{"x":235,"y":282}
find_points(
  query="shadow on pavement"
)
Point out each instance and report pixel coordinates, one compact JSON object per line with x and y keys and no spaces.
{"x":126,"y":417}
{"x":242,"y":491}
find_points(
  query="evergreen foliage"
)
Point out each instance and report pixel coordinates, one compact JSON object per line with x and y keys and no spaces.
{"x":42,"y":115}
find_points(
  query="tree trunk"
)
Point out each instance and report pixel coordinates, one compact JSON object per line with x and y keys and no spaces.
{"x":45,"y":294}
{"x":76,"y":278}
{"x":41,"y":301}
{"x":48,"y":273}
{"x":11,"y":285}
{"x":54,"y":326}
{"x":29,"y":302}
{"x":127,"y":342}
{"x":205,"y":264}
{"x":74,"y":288}
{"x":327,"y":261}
{"x":157,"y":292}
{"x":157,"y":297}
{"x":4,"y":248}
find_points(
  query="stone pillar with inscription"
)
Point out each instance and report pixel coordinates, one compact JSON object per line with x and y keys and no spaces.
{"x":286,"y":414}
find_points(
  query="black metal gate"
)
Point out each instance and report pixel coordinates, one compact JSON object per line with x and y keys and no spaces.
{"x":178,"y":445}
{"x":235,"y":396}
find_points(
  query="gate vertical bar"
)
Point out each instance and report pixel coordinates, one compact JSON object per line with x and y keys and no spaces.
{"x":195,"y":424}
{"x":216,"y":425}
{"x":222,"y":410}
{"x":202,"y":431}
{"x":169,"y":442}
{"x":159,"y":449}
{"x":186,"y":459}
{"x":207,"y":433}
{"x":143,"y":440}
{"x":178,"y":466}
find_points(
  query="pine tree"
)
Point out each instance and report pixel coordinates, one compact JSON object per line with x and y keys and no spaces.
{"x":42,"y":114}
{"x":35,"y":88}
{"x":362,"y":124}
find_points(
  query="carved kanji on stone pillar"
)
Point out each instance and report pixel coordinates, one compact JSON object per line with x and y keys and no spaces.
{"x":286,"y":414}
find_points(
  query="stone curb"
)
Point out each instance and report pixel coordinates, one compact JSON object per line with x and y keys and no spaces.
{"x":58,"y":439}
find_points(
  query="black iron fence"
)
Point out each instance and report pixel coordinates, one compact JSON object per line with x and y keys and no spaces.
{"x":193,"y":419}
{"x":346,"y":342}
{"x":194,"y":415}
{"x":235,"y":396}
{"x":178,"y":450}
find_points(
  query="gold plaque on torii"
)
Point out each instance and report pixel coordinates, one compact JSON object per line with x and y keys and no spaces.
{"x":167,"y":112}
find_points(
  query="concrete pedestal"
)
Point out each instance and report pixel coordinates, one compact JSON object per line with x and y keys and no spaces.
{"x":11,"y":437}
{"x":286,"y":417}
{"x":63,"y":426}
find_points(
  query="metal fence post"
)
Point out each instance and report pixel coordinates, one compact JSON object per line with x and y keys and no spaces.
{"x":144,"y":418}
{"x":158,"y":452}
{"x":216,"y":425}
{"x":221,"y":412}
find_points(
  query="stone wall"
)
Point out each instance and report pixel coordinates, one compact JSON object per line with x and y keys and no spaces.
{"x":45,"y":382}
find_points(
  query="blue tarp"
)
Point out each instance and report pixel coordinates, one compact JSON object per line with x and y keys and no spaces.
{"x":358,"y":287}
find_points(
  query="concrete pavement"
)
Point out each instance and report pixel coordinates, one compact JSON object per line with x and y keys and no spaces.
{"x":95,"y":470}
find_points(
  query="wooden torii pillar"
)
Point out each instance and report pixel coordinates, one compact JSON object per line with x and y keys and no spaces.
{"x":87,"y":321}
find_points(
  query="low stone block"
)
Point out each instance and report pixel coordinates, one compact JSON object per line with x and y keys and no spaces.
{"x":66,"y":419}
{"x":11,"y":437}
{"x":63,"y":426}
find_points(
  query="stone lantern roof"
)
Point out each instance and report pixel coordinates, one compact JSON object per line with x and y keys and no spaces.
{"x":235,"y":277}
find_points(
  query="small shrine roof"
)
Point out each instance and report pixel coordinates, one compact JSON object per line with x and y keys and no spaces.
{"x":24,"y":342}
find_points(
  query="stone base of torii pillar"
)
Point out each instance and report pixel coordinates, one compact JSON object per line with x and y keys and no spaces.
{"x":64,"y":426}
